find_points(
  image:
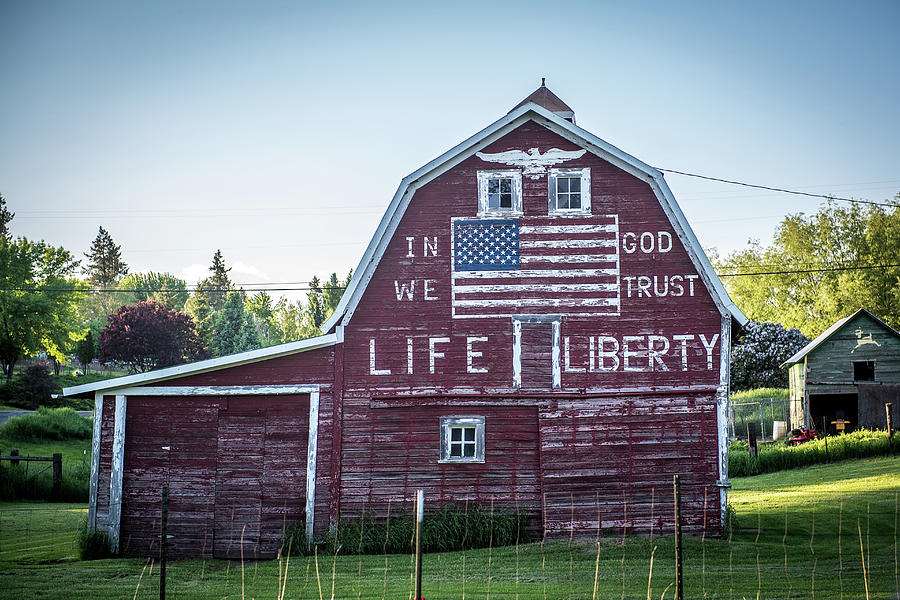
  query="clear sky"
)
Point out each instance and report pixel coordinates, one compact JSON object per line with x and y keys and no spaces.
{"x":278,"y":131}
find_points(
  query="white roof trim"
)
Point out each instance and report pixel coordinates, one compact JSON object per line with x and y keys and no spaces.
{"x":391,"y":219}
{"x":831,"y":331}
{"x":213,"y":364}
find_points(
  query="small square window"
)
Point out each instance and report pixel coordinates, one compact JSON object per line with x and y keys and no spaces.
{"x":864,"y":370}
{"x":462,"y":439}
{"x":569,"y":191}
{"x":499,"y":193}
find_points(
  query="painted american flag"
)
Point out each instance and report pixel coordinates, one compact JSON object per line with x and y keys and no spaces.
{"x":540,"y":265}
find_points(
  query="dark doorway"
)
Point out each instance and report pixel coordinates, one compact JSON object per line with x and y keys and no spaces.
{"x":833,"y":408}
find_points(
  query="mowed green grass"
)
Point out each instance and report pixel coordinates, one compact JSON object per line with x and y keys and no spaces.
{"x":797,"y":534}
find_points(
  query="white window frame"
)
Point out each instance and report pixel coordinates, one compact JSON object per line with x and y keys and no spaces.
{"x":447,"y":424}
{"x":483,"y":178}
{"x":585,"y":175}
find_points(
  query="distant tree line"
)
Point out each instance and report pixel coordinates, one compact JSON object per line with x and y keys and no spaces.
{"x":140,"y":321}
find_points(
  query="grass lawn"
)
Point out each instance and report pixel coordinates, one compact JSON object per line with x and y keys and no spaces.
{"x":785,"y":544}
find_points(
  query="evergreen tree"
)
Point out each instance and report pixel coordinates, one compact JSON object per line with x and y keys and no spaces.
{"x":315,"y":304}
{"x":5,"y":218}
{"x":86,"y":350}
{"x":105,"y":264}
{"x":233,"y":328}
{"x":218,"y":284}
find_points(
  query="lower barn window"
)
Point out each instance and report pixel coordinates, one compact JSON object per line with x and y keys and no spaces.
{"x":462,"y":439}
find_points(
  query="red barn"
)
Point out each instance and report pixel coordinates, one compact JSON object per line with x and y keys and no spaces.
{"x":534,"y":324}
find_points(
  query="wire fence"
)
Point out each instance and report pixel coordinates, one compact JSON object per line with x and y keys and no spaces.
{"x":793,"y":542}
{"x":772,"y":417}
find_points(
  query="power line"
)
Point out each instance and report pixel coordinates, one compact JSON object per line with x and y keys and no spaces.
{"x":776,"y":189}
{"x":821,"y":270}
{"x":168,"y":290}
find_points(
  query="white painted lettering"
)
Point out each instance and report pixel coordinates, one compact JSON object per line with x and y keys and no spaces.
{"x":429,"y":289}
{"x":655,"y":356}
{"x":591,"y":354}
{"x":403,"y":290}
{"x":627,"y":354}
{"x":473,"y":354}
{"x":431,"y":352}
{"x":430,"y":246}
{"x":643,"y":284}
{"x":684,"y":339}
{"x":409,"y":356}
{"x":677,"y":285}
{"x":664,"y":235}
{"x":603,"y":354}
{"x":647,"y":242}
{"x":709,"y":345}
{"x":629,"y":280}
{"x":691,"y":279}
{"x":409,"y":247}
{"x":629,"y":245}
{"x":372,"y":369}
{"x":665,"y":289}
{"x":567,"y":360}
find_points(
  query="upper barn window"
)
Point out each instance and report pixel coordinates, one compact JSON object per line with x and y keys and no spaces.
{"x":499,"y":193}
{"x":570,"y":191}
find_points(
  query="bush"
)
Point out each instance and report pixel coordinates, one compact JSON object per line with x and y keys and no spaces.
{"x":450,"y":528}
{"x":48,"y":424}
{"x":13,"y":394}
{"x":38,"y":385}
{"x":92,"y":544}
{"x":778,"y":456}
{"x":759,"y":353}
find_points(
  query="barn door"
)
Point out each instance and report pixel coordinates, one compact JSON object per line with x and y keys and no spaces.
{"x":240,"y":459}
{"x":536,"y":352}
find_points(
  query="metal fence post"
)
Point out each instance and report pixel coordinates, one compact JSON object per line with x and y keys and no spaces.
{"x":420,"y":514}
{"x":679,"y":583}
{"x":57,"y":473}
{"x":163,"y":540}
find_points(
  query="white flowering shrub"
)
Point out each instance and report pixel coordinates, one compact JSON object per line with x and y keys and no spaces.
{"x":758,"y":354}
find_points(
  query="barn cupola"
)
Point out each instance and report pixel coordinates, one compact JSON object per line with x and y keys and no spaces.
{"x":547,"y":99}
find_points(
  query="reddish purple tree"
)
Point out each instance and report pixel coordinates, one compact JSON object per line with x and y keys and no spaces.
{"x":148,"y":336}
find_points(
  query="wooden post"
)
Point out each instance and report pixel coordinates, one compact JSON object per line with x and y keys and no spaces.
{"x":420,"y":514}
{"x":825,"y":435}
{"x":57,"y":473}
{"x":889,"y":419}
{"x":679,"y":583}
{"x":163,"y":540}
{"x":14,"y":452}
{"x":751,"y":437}
{"x":762,"y":422}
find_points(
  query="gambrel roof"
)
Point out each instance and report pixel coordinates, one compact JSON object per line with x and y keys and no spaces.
{"x":529,"y":110}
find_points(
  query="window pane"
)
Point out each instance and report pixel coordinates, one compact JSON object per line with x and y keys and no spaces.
{"x":562,"y":184}
{"x":575,"y":201}
{"x":575,"y":184}
{"x":456,"y":434}
{"x":505,"y":186}
{"x":493,"y":200}
{"x":470,"y":434}
{"x":456,"y":450}
{"x":470,"y":450}
{"x":505,"y":200}
{"x":493,"y":186}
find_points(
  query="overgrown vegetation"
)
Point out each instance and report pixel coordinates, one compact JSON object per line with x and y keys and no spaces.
{"x":778,"y":456}
{"x":452,"y":527}
{"x":761,"y":393}
{"x":92,"y":545}
{"x":47,"y":424}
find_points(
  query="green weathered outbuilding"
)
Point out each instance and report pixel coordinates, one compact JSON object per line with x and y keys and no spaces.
{"x":847,"y":374}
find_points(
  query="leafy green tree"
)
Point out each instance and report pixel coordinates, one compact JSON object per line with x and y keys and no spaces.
{"x":86,"y":350}
{"x":259,"y":306}
{"x":5,"y":218}
{"x":333,"y":291}
{"x":163,"y":288}
{"x":758,"y":354}
{"x":105,"y":265}
{"x":233,"y":328}
{"x":37,"y":301}
{"x":821,"y":268}
{"x":286,"y":319}
{"x":315,"y":304}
